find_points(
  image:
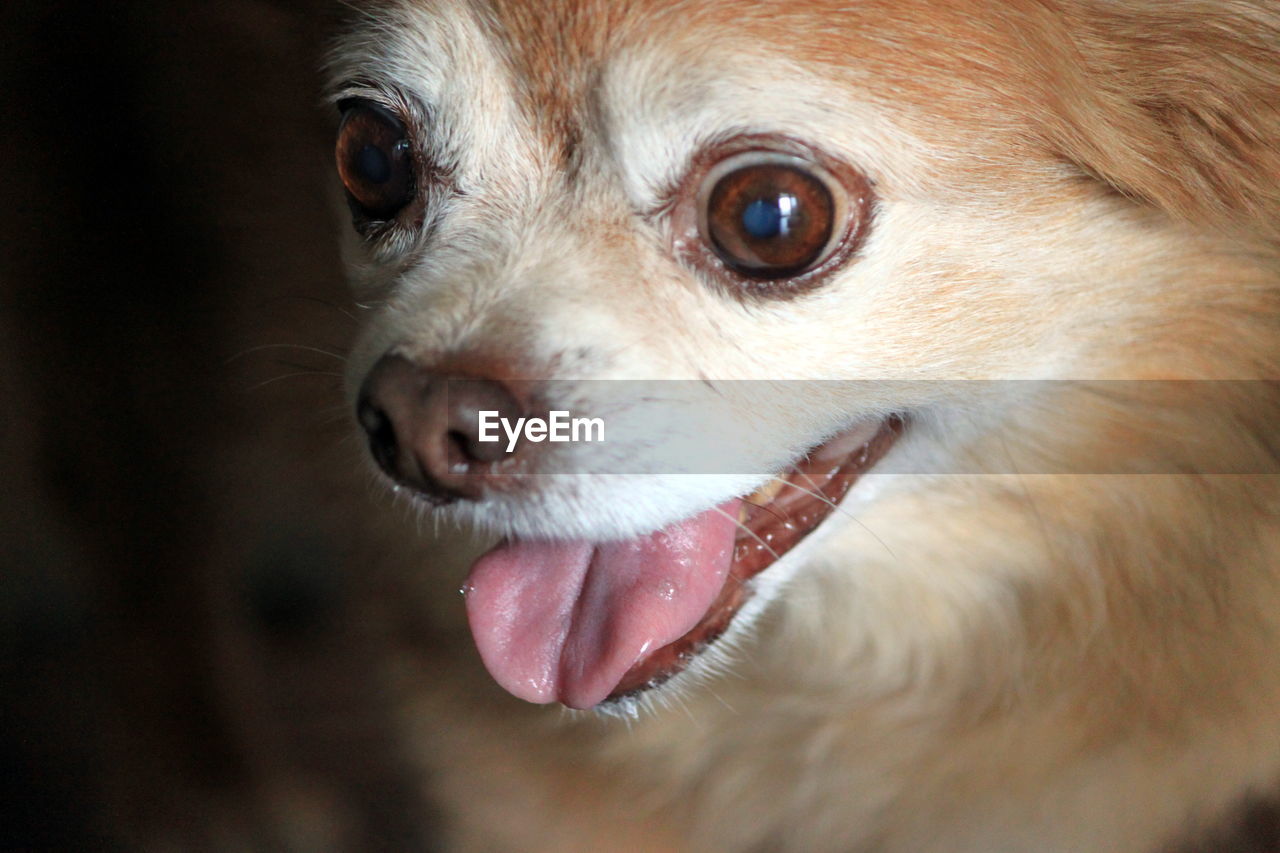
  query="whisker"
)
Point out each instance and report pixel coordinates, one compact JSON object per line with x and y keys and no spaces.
{"x":766,"y":507}
{"x":720,"y":699}
{"x":815,"y":493}
{"x":836,"y":507}
{"x":303,"y":297}
{"x":320,"y":350}
{"x":749,"y":532}
{"x":333,"y":414}
{"x":291,"y":376}
{"x":300,"y":366}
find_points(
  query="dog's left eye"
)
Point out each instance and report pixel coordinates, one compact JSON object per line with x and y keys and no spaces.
{"x":375,"y":161}
{"x":769,"y":215}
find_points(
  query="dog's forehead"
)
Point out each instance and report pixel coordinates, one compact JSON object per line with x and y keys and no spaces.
{"x":520,"y":82}
{"x":554,"y":57}
{"x":557,"y":53}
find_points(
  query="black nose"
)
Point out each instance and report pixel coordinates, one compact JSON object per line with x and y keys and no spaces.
{"x":424,"y":430}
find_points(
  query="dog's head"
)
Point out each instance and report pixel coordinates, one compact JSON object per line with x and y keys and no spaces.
{"x":678,"y":217}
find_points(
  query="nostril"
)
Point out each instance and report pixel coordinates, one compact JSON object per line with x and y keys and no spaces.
{"x":424,"y":429}
{"x":466,"y":449}
{"x":469,"y":399}
{"x":380,"y":432}
{"x":460,"y":451}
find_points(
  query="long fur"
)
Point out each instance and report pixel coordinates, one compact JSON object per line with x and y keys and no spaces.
{"x":1075,"y":651}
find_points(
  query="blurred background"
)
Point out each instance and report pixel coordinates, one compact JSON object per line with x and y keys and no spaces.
{"x":196,"y":623}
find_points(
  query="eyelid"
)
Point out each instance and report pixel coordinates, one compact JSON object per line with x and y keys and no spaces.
{"x":762,"y":156}
{"x":726,"y":146}
{"x":397,"y":108}
{"x":346,"y":105}
{"x":404,"y":108}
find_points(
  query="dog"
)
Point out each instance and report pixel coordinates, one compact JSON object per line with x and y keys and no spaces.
{"x":934,"y":348}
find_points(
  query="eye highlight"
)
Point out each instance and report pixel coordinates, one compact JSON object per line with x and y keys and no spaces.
{"x":769,"y":215}
{"x":767,"y":219}
{"x":375,"y":161}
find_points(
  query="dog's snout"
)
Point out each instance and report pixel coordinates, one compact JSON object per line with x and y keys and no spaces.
{"x":425,"y":430}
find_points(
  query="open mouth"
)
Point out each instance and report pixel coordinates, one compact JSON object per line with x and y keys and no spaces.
{"x":584,"y":623}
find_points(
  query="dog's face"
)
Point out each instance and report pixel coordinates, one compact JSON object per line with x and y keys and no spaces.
{"x":551,"y":199}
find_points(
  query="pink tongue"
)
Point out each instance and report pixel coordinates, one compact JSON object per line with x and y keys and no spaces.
{"x":566,"y":620}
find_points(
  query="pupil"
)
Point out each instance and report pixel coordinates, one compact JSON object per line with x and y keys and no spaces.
{"x":373,"y":164}
{"x":768,"y":218}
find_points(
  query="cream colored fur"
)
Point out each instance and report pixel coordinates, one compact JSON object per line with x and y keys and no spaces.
{"x":1015,"y":661}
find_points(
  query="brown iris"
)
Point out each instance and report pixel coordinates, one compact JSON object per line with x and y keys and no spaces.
{"x":375,"y":161}
{"x":769,"y":220}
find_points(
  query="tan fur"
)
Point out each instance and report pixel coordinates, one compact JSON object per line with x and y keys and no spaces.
{"x":1039,"y":662}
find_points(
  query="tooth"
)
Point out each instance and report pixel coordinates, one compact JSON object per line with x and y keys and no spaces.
{"x":760,"y":497}
{"x":767,"y":492}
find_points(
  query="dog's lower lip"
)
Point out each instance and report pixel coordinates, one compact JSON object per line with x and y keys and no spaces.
{"x":813,"y":487}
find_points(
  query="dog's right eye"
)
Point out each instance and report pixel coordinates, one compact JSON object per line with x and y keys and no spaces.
{"x":375,"y":161}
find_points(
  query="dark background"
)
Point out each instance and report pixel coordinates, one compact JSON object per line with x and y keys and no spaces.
{"x":194,"y":626}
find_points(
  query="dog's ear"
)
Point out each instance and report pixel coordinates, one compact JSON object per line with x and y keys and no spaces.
{"x":1183,"y":108}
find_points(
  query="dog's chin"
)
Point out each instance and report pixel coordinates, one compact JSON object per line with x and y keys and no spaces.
{"x":558,"y":617}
